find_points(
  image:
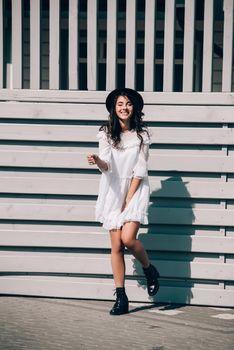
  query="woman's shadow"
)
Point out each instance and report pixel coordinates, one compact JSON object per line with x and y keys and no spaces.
{"x":167,"y":239}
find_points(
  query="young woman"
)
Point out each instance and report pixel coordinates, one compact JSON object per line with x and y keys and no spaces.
{"x":123,"y":199}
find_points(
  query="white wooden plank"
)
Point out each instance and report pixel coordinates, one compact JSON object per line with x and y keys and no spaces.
{"x":188,"y":60}
{"x":50,"y":185}
{"x":190,"y":163}
{"x":92,"y":76}
{"x":17,"y":44}
{"x":1,"y":44}
{"x":85,"y":212}
{"x":176,"y":98}
{"x":100,"y":288}
{"x":100,"y":240}
{"x":130,"y":59}
{"x":35,"y":56}
{"x":169,"y":44}
{"x":184,"y":243}
{"x":42,"y":110}
{"x":97,"y":112}
{"x":73,"y":133}
{"x":78,"y":228}
{"x":88,"y":185}
{"x":193,"y":189}
{"x":181,"y":216}
{"x":46,"y":262}
{"x":149,"y":54}
{"x":54,"y":49}
{"x":227,"y":46}
{"x":208,"y":46}
{"x":111,"y":56}
{"x":73,"y":46}
{"x":158,"y":162}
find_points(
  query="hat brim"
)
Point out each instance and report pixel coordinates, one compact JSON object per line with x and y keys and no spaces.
{"x":133,"y":95}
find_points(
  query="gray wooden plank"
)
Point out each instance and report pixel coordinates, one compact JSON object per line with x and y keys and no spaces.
{"x":102,"y":288}
{"x":207,"y":65}
{"x":130,"y":56}
{"x":228,"y":46}
{"x":88,"y":185}
{"x":1,"y":44}
{"x":84,"y":212}
{"x":73,"y":133}
{"x":97,"y":112}
{"x":111,"y":60}
{"x":35,"y":56}
{"x":100,"y":240}
{"x":17,"y":44}
{"x":92,"y":76}
{"x":188,"y":59}
{"x":74,"y":160}
{"x":169,"y":44}
{"x":176,"y":98}
{"x":149,"y":53}
{"x":73,"y":46}
{"x":54,"y":39}
{"x":82,"y":263}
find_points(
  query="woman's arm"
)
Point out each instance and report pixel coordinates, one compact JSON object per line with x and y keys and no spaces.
{"x":134,"y":185}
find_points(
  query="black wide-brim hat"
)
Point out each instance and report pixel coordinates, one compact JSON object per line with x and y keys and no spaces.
{"x":133,"y":96}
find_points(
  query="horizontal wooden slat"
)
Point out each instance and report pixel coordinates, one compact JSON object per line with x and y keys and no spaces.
{"x":160,"y":135}
{"x":91,"y":228}
{"x":56,"y":111}
{"x":100,"y":240}
{"x":44,"y":262}
{"x":100,"y":96}
{"x":85,"y":212}
{"x":181,"y":243}
{"x":88,"y":185}
{"x":73,"y":160}
{"x":97,"y":112}
{"x":98,"y":288}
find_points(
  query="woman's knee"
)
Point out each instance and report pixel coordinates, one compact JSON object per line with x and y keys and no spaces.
{"x":128,"y":242}
{"x":116,"y":242}
{"x":117,"y":249}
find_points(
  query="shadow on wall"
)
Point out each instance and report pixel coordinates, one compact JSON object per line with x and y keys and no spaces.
{"x":168,"y":241}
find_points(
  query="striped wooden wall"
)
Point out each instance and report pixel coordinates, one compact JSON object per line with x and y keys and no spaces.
{"x":49,"y":242}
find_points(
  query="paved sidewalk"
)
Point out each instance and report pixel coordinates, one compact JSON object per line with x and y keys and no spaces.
{"x":49,"y":324}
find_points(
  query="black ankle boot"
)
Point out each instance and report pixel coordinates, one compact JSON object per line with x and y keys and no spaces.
{"x":121,"y":305}
{"x":152,"y":276}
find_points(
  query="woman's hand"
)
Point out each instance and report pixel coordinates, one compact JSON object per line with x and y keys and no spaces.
{"x":92,"y":159}
{"x":125,"y":203}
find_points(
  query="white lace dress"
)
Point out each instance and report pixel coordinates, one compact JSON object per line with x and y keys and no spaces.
{"x":123,"y":164}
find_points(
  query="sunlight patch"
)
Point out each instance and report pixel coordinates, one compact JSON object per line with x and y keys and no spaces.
{"x":224,"y":316}
{"x":167,"y":312}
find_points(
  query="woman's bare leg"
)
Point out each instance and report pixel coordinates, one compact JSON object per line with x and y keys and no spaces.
{"x":117,"y":258}
{"x":128,"y":237}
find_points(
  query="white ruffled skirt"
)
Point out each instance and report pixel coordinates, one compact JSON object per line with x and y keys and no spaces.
{"x":112,"y":193}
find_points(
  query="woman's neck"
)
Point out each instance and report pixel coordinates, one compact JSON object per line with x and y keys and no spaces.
{"x":124,"y":126}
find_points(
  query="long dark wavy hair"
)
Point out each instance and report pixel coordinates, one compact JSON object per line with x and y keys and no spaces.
{"x":112,"y":127}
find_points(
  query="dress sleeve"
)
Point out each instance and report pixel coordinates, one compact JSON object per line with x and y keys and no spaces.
{"x":104,"y":149}
{"x":140,"y":170}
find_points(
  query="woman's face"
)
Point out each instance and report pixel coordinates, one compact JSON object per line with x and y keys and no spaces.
{"x":124,"y":108}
